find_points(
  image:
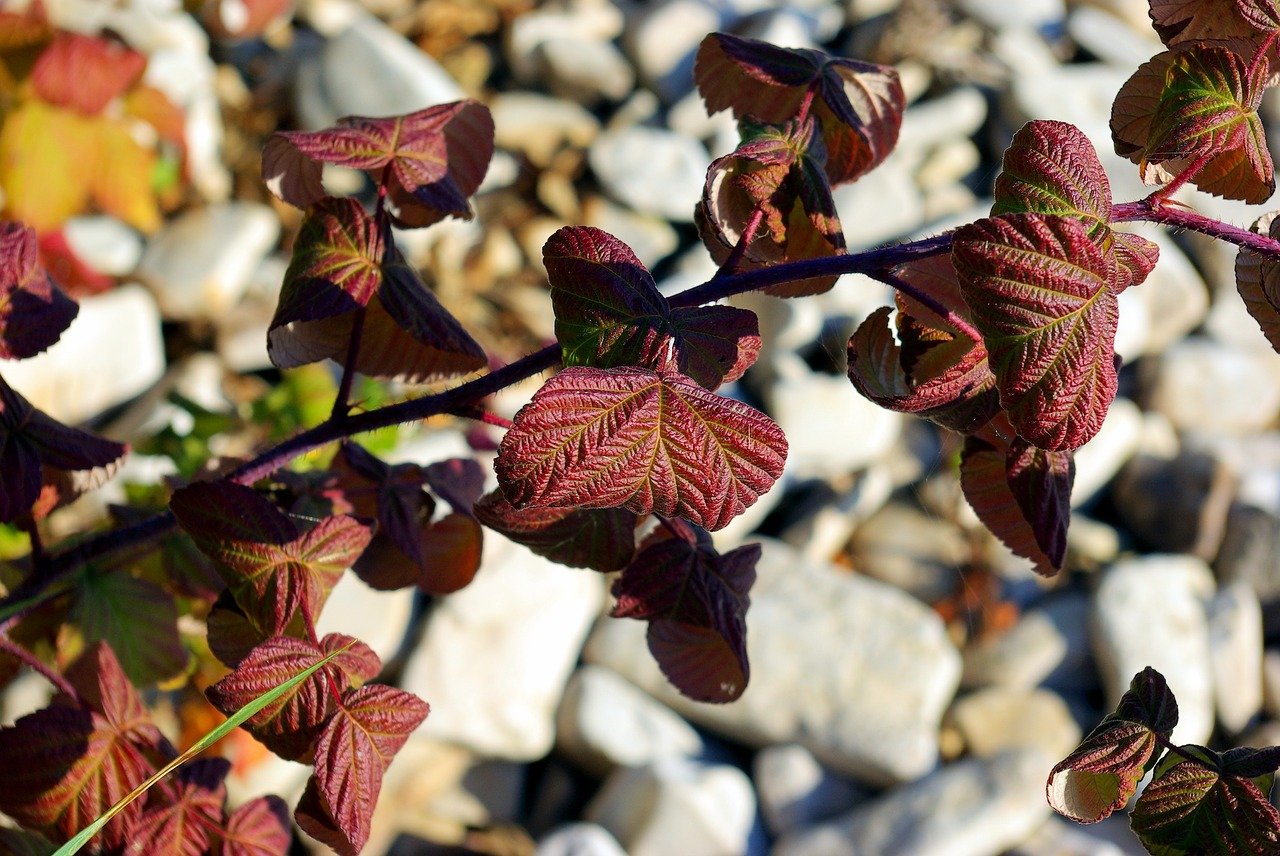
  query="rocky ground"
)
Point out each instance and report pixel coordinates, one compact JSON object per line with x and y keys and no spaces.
{"x":912,"y":683}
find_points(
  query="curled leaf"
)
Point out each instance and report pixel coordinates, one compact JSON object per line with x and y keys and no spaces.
{"x":1258,"y":281}
{"x":33,"y":310}
{"x":1179,"y":21}
{"x":650,"y":442}
{"x":602,"y":539}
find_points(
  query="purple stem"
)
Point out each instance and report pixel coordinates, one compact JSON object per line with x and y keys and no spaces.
{"x":31,"y":661}
{"x":1159,"y":211}
{"x":341,"y":401}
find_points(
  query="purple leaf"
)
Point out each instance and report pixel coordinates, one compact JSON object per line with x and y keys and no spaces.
{"x":645,"y":441}
{"x":458,"y":481}
{"x":602,"y":539}
{"x":33,"y":310}
{"x":1258,"y":281}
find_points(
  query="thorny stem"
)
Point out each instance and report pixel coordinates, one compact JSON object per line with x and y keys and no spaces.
{"x":958,"y":323}
{"x":1182,"y":178}
{"x":31,"y":661}
{"x":1157,"y":210}
{"x":730,"y":265}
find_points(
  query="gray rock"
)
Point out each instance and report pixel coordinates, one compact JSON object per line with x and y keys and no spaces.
{"x":1105,"y":36}
{"x":995,"y":719}
{"x":977,"y":807}
{"x":1150,"y":611}
{"x":1029,"y":13}
{"x":539,"y":125}
{"x":580,"y":839}
{"x":1174,"y":295}
{"x":1203,"y":384}
{"x":856,"y":671}
{"x":651,"y":170}
{"x":522,"y":616}
{"x":585,"y":70}
{"x":88,"y":370}
{"x":104,"y":243}
{"x":662,"y":39}
{"x":677,"y":806}
{"x":574,"y":20}
{"x":905,"y":547}
{"x":882,"y":205}
{"x":1049,"y":645}
{"x":201,"y":264}
{"x":1235,"y":647}
{"x":1176,"y":505}
{"x":604,"y":722}
{"x":796,"y":791}
{"x":958,"y":113}
{"x":1101,"y":458}
{"x":1060,"y":837}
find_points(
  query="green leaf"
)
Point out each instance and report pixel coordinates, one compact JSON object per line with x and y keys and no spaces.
{"x":137,"y":618}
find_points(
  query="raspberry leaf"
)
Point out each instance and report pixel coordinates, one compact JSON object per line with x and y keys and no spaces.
{"x":695,"y":601}
{"x":260,"y":827}
{"x":1052,"y":168}
{"x":1041,"y":295}
{"x":187,"y":816}
{"x":1179,"y":21}
{"x":136,"y":617}
{"x":1258,"y":281}
{"x":1198,"y":807}
{"x":646,"y":441}
{"x":351,"y":757}
{"x":33,"y":310}
{"x":1135,"y":258}
{"x":341,"y":263}
{"x":602,"y":539}
{"x":609,"y":314}
{"x":1103,"y":772}
{"x":433,"y":159}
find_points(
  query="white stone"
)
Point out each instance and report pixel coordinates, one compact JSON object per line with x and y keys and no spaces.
{"x":580,"y":839}
{"x":796,"y":791}
{"x":539,"y":125}
{"x":652,"y":170}
{"x":1175,"y":296}
{"x":996,"y":719}
{"x":1059,"y":837}
{"x":662,"y":40}
{"x":104,"y":243}
{"x":576,"y":20}
{"x":605,"y":722}
{"x":882,"y":205}
{"x":1235,"y":646}
{"x":1049,"y":645}
{"x":999,"y":14}
{"x":676,"y":806}
{"x":112,"y":351}
{"x":586,"y":70}
{"x":1101,"y":458}
{"x":379,"y":619}
{"x":1203,"y":384}
{"x":1150,"y":611}
{"x":200,"y":265}
{"x":977,"y":807}
{"x":865,"y":431}
{"x":856,"y":671}
{"x":1104,"y":35}
{"x":495,"y":656}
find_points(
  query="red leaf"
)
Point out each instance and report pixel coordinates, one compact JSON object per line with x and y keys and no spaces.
{"x":1178,"y":21}
{"x":353,"y":753}
{"x":187,"y":815}
{"x":342,"y":263}
{"x":778,"y":173}
{"x":271,"y":570}
{"x":1258,"y":281}
{"x":433,"y":159}
{"x":695,"y":601}
{"x":609,"y":314}
{"x":1135,"y":258}
{"x":645,"y":441}
{"x":33,"y":310}
{"x":1040,"y":292}
{"x":85,"y":73}
{"x":36,"y":450}
{"x":260,"y":827}
{"x":1103,"y":772}
{"x":392,"y":494}
{"x":454,"y":544}
{"x":602,"y":539}
{"x":858,"y":105}
{"x":1052,"y":168}
{"x":1022,"y":494}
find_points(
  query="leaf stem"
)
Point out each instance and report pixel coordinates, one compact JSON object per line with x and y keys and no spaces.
{"x":1183,"y":177}
{"x":1166,"y":744}
{"x":478,"y":413}
{"x":1156,"y":210}
{"x":739,"y":250}
{"x":341,"y":402}
{"x":31,"y":661}
{"x":957,"y":322}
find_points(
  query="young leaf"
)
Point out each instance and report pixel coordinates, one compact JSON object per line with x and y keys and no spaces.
{"x":136,"y":618}
{"x":1258,"y":281}
{"x":1135,"y":258}
{"x":1103,"y":772}
{"x":341,"y":263}
{"x":609,"y":313}
{"x":290,"y":725}
{"x":33,"y":310}
{"x":458,"y":481}
{"x":36,"y":450}
{"x":602,"y":539}
{"x":353,"y":754}
{"x":433,"y":159}
{"x":646,"y":441}
{"x":1179,"y":21}
{"x":1041,"y":295}
{"x":858,"y":105}
{"x":260,"y":827}
{"x":271,"y":570}
{"x":1191,"y":102}
{"x":1197,"y":807}
{"x":1022,"y":494}
{"x":695,"y":601}
{"x":85,"y":73}
{"x":777,"y":174}
{"x":1052,"y":168}
{"x":188,"y":815}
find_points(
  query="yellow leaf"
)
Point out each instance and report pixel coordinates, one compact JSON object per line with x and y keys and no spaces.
{"x":122,"y":183}
{"x":47,"y":160}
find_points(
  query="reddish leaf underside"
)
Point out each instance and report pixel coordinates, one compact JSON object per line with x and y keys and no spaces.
{"x":433,"y":159}
{"x":1041,"y":295}
{"x":260,"y":827}
{"x":1103,"y":772}
{"x":1178,"y":21}
{"x":646,"y":441}
{"x":353,"y":753}
{"x":1135,"y":258}
{"x":695,"y":601}
{"x":33,"y":310}
{"x":1258,"y":281}
{"x":602,"y":539}
{"x":609,"y":313}
{"x":85,"y":73}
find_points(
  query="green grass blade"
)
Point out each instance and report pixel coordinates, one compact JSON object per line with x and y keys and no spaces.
{"x":234,"y":721}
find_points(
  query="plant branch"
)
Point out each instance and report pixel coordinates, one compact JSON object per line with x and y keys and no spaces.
{"x":958,"y":323}
{"x":1156,"y":210}
{"x":31,"y":661}
{"x":739,"y":250}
